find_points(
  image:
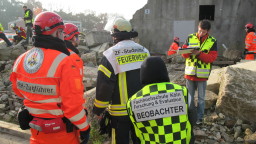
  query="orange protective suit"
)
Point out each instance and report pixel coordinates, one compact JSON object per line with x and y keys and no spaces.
{"x":172,"y":50}
{"x":250,"y":45}
{"x":51,"y":86}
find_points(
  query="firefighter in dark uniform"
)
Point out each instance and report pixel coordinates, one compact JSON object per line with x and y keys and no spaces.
{"x":161,"y":112}
{"x":118,"y":79}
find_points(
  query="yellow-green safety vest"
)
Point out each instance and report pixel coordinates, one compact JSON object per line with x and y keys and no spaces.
{"x":150,"y":109}
{"x":1,"y":28}
{"x":195,"y":66}
{"x":26,"y":16}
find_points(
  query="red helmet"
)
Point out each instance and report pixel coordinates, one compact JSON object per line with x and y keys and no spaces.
{"x":47,"y":22}
{"x":249,"y":25}
{"x":176,"y":38}
{"x":70,"y":31}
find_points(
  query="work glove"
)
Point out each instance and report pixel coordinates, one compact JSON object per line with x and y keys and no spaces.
{"x":24,"y":118}
{"x":84,"y":136}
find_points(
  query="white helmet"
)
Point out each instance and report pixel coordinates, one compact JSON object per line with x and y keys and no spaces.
{"x":12,"y":25}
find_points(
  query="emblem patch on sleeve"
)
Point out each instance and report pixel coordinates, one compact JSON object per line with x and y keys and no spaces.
{"x":33,"y":60}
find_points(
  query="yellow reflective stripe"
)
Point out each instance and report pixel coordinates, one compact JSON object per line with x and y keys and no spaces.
{"x":78,"y":116}
{"x":55,"y":112}
{"x":113,"y":139}
{"x":54,"y":66}
{"x":100,"y":104}
{"x":202,"y":75}
{"x":104,"y":70}
{"x":125,"y":59}
{"x":112,"y":107}
{"x":122,"y":88}
{"x":118,"y":113}
{"x":190,"y":70}
{"x":83,"y":125}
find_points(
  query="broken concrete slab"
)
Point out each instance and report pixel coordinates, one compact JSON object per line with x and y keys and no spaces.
{"x":237,"y":91}
{"x":94,"y":38}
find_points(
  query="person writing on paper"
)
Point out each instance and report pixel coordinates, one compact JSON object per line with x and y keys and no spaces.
{"x":198,"y":63}
{"x":174,"y":46}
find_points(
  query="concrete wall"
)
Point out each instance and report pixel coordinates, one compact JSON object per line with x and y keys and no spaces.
{"x":155,"y":21}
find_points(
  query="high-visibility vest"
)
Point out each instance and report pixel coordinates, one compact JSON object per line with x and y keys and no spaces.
{"x":51,"y":85}
{"x":1,"y":28}
{"x":27,"y":15}
{"x":159,"y":113}
{"x":125,"y":56}
{"x":195,"y":66}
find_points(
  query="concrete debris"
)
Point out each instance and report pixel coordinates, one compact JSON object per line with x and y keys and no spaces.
{"x":10,"y":53}
{"x":237,"y":91}
{"x":94,"y":38}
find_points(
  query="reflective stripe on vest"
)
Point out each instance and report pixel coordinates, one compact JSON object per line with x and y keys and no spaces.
{"x":54,"y":66}
{"x":162,"y":129}
{"x":195,"y":66}
{"x":36,"y":111}
{"x":26,"y":16}
{"x":52,"y":100}
{"x":100,"y":104}
{"x":104,"y":70}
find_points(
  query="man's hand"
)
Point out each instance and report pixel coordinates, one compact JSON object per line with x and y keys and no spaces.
{"x":195,"y":52}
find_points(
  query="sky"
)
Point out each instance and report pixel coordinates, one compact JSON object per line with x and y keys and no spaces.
{"x":125,"y":8}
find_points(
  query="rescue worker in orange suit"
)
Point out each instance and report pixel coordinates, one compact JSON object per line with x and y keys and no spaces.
{"x":174,"y":46}
{"x":21,"y":33}
{"x":72,"y":40}
{"x":250,"y":42}
{"x":118,"y":79}
{"x":198,"y":64}
{"x":51,"y":85}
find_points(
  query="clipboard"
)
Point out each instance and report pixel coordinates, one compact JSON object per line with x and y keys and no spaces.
{"x":187,"y":50}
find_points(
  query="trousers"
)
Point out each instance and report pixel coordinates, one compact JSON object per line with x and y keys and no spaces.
{"x":200,"y":86}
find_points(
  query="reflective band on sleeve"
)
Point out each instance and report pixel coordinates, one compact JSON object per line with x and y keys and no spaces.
{"x":251,"y":51}
{"x":72,"y":52}
{"x":54,"y":66}
{"x":122,"y":88}
{"x":104,"y":70}
{"x":56,"y":112}
{"x":78,"y":116}
{"x":83,"y":125}
{"x":125,"y":59}
{"x":118,"y":113}
{"x":100,"y":104}
{"x":37,"y":88}
{"x":116,"y":107}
